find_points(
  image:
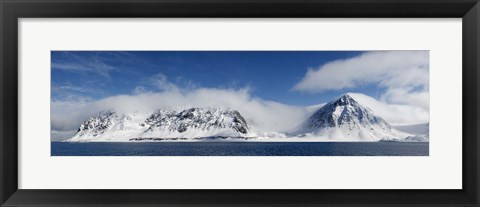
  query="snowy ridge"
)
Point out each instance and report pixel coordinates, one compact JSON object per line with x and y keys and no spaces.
{"x":344,"y":119}
{"x":98,"y":124}
{"x":195,"y":122}
{"x":189,"y":123}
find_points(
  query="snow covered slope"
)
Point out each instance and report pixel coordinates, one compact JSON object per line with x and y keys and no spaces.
{"x":163,"y":124}
{"x":345,"y":119}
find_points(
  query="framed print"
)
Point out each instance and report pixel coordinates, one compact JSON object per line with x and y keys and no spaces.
{"x":207,"y":103}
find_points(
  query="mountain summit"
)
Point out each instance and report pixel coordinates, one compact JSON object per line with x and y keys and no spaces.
{"x":345,"y":119}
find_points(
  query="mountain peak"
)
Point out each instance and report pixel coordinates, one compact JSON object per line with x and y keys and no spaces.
{"x":98,"y":123}
{"x":345,"y":99}
{"x":345,"y":117}
{"x":347,"y":94}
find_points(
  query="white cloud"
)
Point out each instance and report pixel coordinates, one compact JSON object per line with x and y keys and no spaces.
{"x":395,"y":114}
{"x":403,"y":74}
{"x":162,"y":83}
{"x":403,"y":96}
{"x":140,"y":90}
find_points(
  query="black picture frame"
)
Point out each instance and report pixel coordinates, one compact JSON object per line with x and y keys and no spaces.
{"x":11,"y":10}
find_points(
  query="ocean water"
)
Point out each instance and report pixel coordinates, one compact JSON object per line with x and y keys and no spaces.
{"x":239,"y":149}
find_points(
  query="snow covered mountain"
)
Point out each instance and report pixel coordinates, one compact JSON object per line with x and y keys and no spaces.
{"x":97,"y":125}
{"x":195,"y":122}
{"x":345,"y":119}
{"x":163,"y":124}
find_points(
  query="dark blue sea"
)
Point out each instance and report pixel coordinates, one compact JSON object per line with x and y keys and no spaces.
{"x":239,"y":149}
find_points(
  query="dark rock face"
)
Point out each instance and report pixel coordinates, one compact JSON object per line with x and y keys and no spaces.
{"x":97,"y":124}
{"x":239,"y":123}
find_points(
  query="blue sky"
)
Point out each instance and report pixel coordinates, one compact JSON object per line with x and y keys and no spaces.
{"x":269,"y":75}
